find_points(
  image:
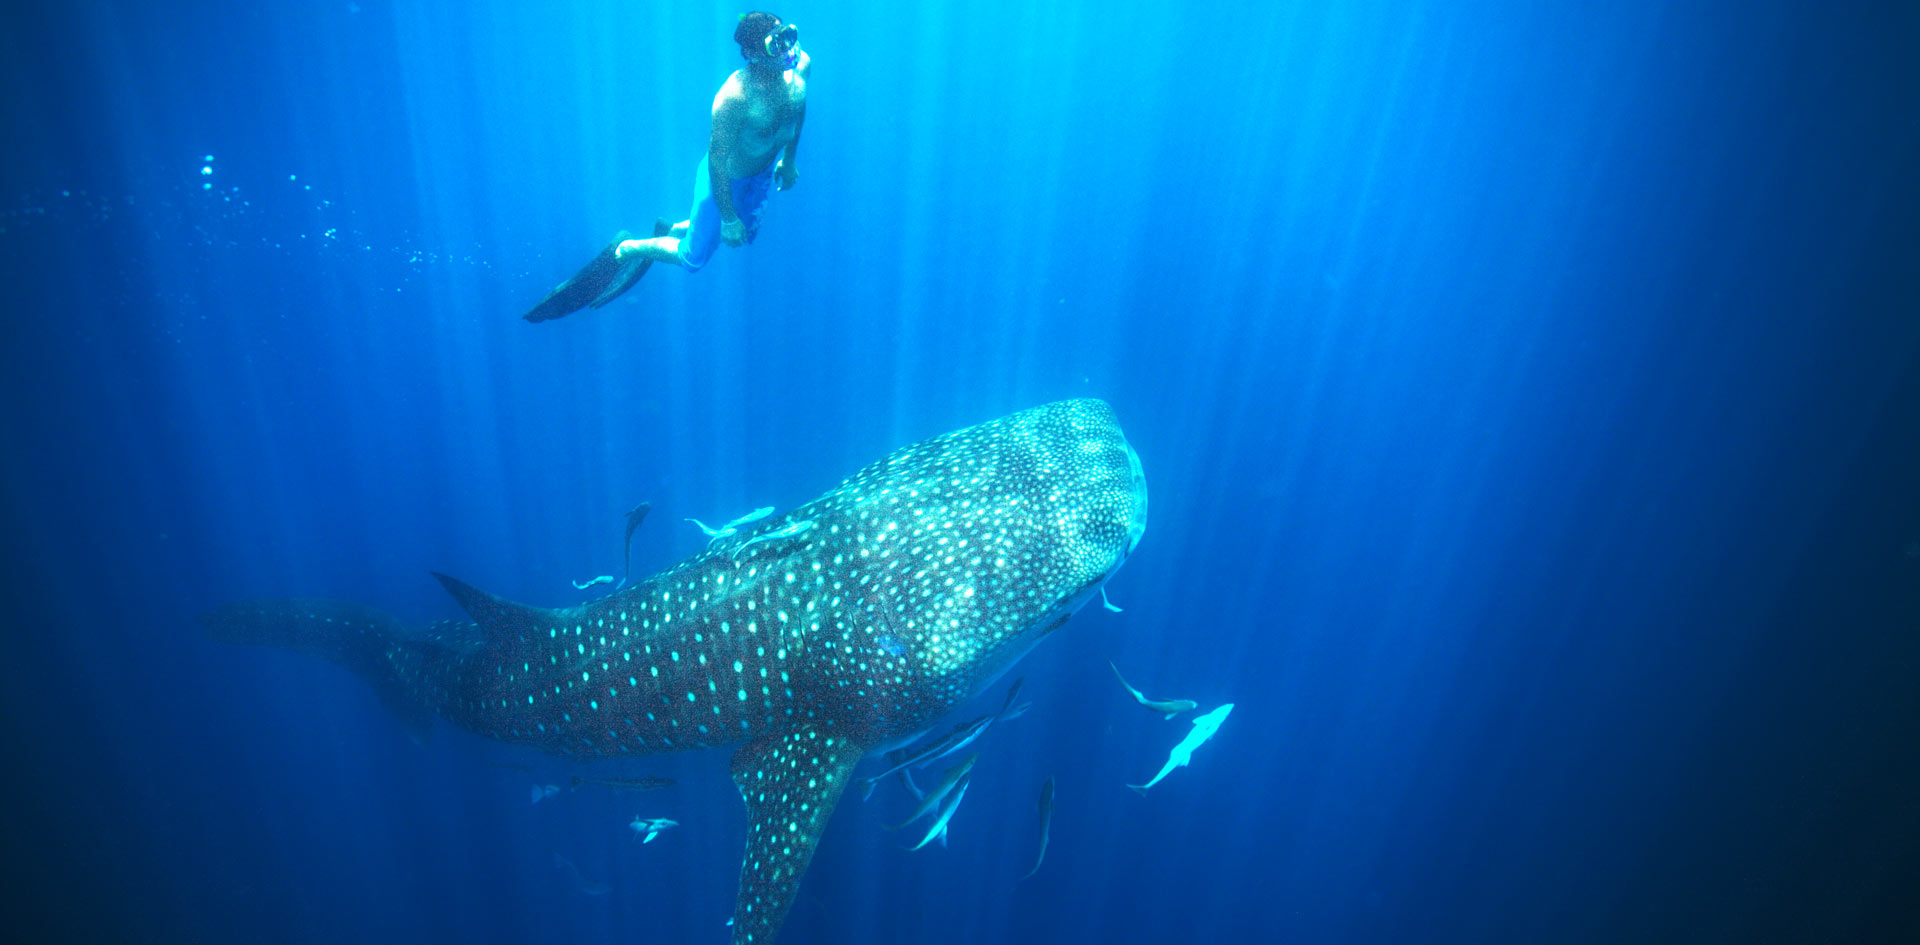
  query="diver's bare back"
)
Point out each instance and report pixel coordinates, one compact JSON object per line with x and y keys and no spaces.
{"x":768,"y":115}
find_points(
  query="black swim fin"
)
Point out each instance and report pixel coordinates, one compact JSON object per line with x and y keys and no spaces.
{"x":585,"y":286}
{"x":631,"y":272}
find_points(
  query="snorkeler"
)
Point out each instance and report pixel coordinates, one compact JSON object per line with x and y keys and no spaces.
{"x":757,"y":116}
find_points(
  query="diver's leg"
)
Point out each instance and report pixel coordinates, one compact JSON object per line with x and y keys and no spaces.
{"x":689,"y":243}
{"x":700,"y":234}
{"x":632,"y":265}
{"x":658,"y":249}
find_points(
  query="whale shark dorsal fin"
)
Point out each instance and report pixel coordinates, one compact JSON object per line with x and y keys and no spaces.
{"x":502,"y":619}
{"x":790,"y":782}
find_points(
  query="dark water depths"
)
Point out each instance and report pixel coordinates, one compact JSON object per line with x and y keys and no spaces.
{"x":1528,"y":398}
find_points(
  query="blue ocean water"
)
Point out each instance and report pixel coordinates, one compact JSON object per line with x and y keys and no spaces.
{"x":1528,"y":397}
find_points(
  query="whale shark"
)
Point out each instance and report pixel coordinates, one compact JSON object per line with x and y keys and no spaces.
{"x":909,"y":589}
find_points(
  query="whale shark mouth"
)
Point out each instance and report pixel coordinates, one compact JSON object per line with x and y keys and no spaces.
{"x":1137,"y":522}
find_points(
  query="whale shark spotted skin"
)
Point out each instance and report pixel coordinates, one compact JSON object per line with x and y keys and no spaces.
{"x":919,"y":581}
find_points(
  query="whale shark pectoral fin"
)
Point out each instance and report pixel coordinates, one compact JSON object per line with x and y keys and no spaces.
{"x":790,"y":782}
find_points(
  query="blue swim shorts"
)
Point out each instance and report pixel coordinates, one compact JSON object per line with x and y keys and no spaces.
{"x":703,"y":226}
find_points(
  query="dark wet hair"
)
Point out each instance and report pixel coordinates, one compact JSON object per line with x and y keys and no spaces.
{"x":752,"y":32}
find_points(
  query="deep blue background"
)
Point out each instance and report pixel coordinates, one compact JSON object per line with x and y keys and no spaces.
{"x":1529,"y":399}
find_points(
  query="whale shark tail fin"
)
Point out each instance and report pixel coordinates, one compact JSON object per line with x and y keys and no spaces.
{"x":393,"y":658}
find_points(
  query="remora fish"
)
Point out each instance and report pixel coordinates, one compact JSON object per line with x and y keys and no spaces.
{"x":590,"y":889}
{"x":751,"y":517}
{"x":1203,"y":729}
{"x":1046,"y":824}
{"x":894,"y":758}
{"x":635,"y":516}
{"x":624,"y":784}
{"x":789,"y":530}
{"x":946,"y":814}
{"x":713,"y":534}
{"x":961,"y":736}
{"x":1166,"y":707}
{"x":729,"y":529}
{"x":650,"y":827}
{"x":924,"y":577}
{"x":932,"y":798}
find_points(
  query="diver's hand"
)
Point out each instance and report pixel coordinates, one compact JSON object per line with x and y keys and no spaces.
{"x":733,"y":232}
{"x":788,"y":175}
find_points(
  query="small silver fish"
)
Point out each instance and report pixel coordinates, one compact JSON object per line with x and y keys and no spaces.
{"x":586,"y":888}
{"x":714,"y":534}
{"x":650,"y":827}
{"x":932,"y":798}
{"x":750,"y":517}
{"x":733,"y":528}
{"x":646,"y":783}
{"x":635,"y":516}
{"x":1046,"y":824}
{"x":1166,"y":707}
{"x":940,"y":826}
{"x":1182,"y":754}
{"x":962,"y":735}
{"x":789,"y":530}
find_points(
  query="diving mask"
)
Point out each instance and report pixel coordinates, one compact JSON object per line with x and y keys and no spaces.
{"x":784,"y":44}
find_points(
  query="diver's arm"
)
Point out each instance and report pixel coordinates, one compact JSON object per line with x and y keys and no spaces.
{"x":789,"y":173}
{"x":726,"y":129}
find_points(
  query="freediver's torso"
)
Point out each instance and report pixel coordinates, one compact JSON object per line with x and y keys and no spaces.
{"x":770,"y":117}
